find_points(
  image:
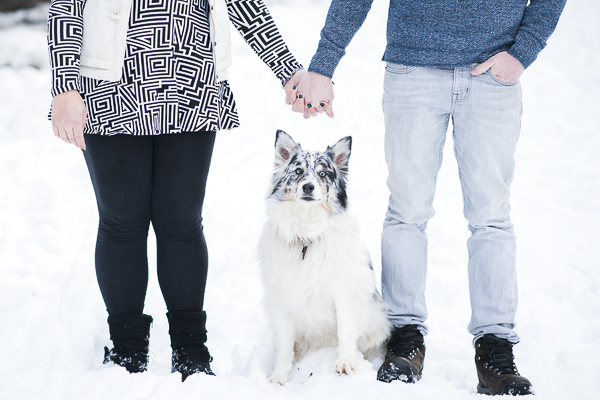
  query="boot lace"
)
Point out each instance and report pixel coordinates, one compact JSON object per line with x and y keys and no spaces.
{"x":498,"y":356}
{"x":405,"y":342}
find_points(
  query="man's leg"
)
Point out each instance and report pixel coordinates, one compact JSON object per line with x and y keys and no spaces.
{"x":416,"y":105}
{"x":486,"y":130}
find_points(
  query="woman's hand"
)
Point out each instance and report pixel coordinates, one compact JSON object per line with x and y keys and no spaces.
{"x":315,"y":95}
{"x":68,"y":118}
{"x":291,"y":87}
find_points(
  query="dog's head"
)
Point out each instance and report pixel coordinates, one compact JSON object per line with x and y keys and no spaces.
{"x":309,"y":176}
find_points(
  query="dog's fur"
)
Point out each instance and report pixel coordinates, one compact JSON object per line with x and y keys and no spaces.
{"x":319,"y":281}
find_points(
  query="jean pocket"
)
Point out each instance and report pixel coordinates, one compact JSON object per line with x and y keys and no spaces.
{"x":399,"y":68}
{"x":498,"y":80}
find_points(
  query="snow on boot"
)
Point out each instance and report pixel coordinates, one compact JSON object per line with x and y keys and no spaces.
{"x":405,"y":356}
{"x":496,"y":368}
{"x":130,"y":336}
{"x":188,"y":338}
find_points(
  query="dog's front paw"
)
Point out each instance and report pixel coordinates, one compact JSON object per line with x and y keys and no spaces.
{"x":279,"y":378}
{"x":346,"y":365}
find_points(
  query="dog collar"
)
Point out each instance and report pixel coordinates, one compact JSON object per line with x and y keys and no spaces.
{"x":304,"y":244}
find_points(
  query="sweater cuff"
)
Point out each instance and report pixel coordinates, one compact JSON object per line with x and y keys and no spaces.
{"x":67,"y":86}
{"x":326,"y":59}
{"x":288,"y":71}
{"x":526,"y":48}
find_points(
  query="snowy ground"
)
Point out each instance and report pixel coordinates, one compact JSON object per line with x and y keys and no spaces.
{"x":53,"y":320}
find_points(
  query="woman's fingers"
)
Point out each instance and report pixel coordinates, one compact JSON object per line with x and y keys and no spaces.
{"x":68,"y":118}
{"x":299,"y":104}
{"x":310,"y":110}
{"x":325,"y":107}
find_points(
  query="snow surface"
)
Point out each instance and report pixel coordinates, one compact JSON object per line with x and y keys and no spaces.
{"x":53,"y":321}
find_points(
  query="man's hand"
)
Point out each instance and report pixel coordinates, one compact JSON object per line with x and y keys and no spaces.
{"x":504,"y":67}
{"x":315,"y":95}
{"x":68,"y":118}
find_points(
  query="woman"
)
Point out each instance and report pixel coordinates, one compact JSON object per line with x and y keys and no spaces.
{"x":141,"y":87}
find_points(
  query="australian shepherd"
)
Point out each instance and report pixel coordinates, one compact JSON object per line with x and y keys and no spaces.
{"x":319,"y":281}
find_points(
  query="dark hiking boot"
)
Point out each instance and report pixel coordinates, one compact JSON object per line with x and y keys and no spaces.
{"x":130,"y":336}
{"x":496,"y":368}
{"x":405,"y":356}
{"x":188,"y":338}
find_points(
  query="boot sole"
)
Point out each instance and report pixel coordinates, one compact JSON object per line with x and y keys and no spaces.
{"x":398,"y":373}
{"x":515,"y":389}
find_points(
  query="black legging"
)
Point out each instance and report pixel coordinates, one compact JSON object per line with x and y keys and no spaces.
{"x":143,"y":179}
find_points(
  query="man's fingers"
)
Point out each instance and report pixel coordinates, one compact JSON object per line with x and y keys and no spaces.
{"x":483,"y":67}
{"x":329,"y":110}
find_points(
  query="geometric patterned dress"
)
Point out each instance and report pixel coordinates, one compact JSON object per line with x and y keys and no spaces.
{"x":168,"y":83}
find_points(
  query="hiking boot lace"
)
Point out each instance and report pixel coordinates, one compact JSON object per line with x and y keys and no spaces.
{"x":405,"y":342}
{"x":498,"y":356}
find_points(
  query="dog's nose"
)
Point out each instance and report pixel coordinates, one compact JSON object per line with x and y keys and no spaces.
{"x":308,"y":188}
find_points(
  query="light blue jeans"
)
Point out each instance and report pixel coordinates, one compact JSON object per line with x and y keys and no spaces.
{"x":418,"y":103}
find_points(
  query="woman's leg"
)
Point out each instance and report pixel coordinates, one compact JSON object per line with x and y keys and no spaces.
{"x":181,"y":164}
{"x":180,"y":169}
{"x":121,"y":170}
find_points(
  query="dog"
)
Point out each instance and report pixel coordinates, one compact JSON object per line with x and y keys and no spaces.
{"x":319,"y":281}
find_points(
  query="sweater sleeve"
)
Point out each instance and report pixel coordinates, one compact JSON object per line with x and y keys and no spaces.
{"x":344,"y":19}
{"x":539,"y":21}
{"x":65,"y":37}
{"x":254,"y":22}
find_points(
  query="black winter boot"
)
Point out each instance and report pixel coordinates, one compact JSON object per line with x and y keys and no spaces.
{"x":405,"y":356}
{"x":129,"y":335}
{"x":496,"y":368}
{"x":188,"y":335}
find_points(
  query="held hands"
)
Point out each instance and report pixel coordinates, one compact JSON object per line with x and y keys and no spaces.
{"x":310,"y":93}
{"x":68,"y":118}
{"x":504,"y":67}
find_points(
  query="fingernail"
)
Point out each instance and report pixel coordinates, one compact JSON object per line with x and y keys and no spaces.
{"x":300,"y":96}
{"x":309,"y":105}
{"x":294,"y":87}
{"x":322,"y":104}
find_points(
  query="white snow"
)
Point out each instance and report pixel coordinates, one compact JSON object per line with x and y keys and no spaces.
{"x":53,"y":325}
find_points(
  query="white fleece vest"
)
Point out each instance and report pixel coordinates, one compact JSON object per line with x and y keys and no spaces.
{"x":105,"y":25}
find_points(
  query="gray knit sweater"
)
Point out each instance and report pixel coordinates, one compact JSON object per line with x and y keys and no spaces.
{"x":443,"y":33}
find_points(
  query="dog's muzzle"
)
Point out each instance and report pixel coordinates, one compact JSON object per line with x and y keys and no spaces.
{"x":307,"y":190}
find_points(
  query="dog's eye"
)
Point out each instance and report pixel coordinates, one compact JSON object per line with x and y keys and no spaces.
{"x":299,"y":171}
{"x":322,"y":174}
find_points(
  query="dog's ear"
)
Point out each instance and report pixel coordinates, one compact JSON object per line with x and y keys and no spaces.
{"x":340,"y":153}
{"x":284,"y":147}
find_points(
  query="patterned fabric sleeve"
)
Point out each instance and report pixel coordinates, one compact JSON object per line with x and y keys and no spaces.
{"x":254,"y":22}
{"x":65,"y":37}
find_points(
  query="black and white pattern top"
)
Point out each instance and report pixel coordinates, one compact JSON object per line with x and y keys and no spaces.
{"x":168,"y":83}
